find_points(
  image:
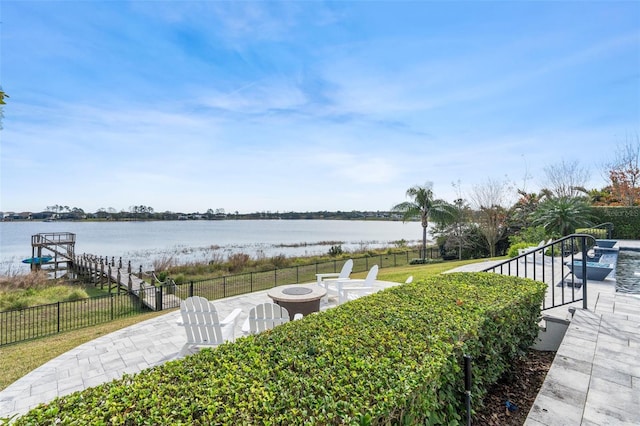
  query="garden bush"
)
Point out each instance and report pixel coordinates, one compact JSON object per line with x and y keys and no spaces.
{"x":513,"y":248}
{"x":394,"y":357}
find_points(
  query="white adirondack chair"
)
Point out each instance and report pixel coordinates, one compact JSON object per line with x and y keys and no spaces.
{"x":265,"y":316}
{"x":200,"y":321}
{"x":350,"y":289}
{"x":326,"y":279}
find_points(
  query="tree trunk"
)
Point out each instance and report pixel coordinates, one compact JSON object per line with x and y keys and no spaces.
{"x":424,"y":243}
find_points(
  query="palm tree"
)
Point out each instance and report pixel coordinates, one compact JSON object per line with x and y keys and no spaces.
{"x":423,"y":205}
{"x":562,"y":215}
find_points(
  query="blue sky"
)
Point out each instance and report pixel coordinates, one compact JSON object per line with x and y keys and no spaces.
{"x":304,"y":106}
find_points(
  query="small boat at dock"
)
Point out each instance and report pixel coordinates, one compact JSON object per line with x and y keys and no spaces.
{"x":37,"y":260}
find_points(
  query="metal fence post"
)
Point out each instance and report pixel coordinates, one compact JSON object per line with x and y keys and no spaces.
{"x":584,"y":272}
{"x":58,"y":317}
{"x":190,"y":288}
{"x":159,"y":298}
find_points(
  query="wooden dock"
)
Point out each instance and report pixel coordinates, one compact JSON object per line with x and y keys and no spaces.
{"x":118,"y":277}
{"x":60,"y":248}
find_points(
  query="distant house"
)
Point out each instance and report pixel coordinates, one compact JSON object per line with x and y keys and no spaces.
{"x":42,"y":215}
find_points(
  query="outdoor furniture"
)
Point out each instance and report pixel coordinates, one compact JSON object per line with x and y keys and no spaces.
{"x":265,"y":316}
{"x":201,"y":323}
{"x":350,"y":289}
{"x":325,"y":278}
{"x":298,"y":298}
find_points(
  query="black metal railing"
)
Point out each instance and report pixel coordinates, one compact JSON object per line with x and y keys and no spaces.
{"x":558,"y":264}
{"x":44,"y":320}
{"x":39,"y":321}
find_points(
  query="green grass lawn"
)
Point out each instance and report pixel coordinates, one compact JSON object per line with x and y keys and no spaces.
{"x":19,"y":359}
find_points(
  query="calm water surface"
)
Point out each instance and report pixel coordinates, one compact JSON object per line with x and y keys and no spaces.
{"x":628,"y":272}
{"x":202,"y":241}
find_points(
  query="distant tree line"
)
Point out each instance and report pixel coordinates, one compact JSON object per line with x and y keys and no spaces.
{"x":61,"y":212}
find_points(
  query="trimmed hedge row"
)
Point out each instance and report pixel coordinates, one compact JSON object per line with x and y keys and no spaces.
{"x":394,"y":357}
{"x":626,"y":221}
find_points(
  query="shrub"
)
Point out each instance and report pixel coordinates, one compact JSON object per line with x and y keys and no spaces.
{"x":238,"y":261}
{"x":513,"y":249}
{"x":359,"y":363}
{"x":335,"y":251}
{"x":594,"y":232}
{"x":280,"y":261}
{"x":76,"y":294}
{"x":419,"y":261}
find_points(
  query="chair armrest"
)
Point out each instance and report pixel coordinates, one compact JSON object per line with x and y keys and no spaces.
{"x":344,"y":283}
{"x":328,"y":275}
{"x":232,"y":317}
{"x":246,"y":328}
{"x":321,"y":277}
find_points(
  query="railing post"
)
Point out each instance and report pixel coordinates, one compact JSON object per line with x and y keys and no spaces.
{"x":58,"y":317}
{"x":190,"y":288}
{"x":584,"y":273}
{"x":109,"y":278}
{"x":159,"y":298}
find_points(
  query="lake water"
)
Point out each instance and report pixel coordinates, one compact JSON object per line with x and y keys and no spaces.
{"x":203,"y":240}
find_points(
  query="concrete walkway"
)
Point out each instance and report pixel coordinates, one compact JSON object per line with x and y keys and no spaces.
{"x":595,"y":376}
{"x":127,"y":351}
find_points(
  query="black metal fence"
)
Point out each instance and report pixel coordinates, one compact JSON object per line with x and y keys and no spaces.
{"x":44,"y":320}
{"x":39,"y":321}
{"x":558,"y":264}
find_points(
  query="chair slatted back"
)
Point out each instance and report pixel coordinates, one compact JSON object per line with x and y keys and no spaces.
{"x":265,"y":316}
{"x":346,"y":269}
{"x":200,"y":319}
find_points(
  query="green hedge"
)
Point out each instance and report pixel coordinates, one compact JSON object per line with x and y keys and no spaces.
{"x":626,"y":221}
{"x":597,"y":233}
{"x":394,"y":357}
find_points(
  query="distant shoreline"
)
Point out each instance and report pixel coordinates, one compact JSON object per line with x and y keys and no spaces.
{"x":142,"y":213}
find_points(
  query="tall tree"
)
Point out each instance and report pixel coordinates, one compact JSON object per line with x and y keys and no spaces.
{"x":561,"y":216}
{"x":455,"y":234}
{"x":491,"y":214}
{"x":566,"y":179}
{"x":423,"y":205}
{"x":624,"y":173}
